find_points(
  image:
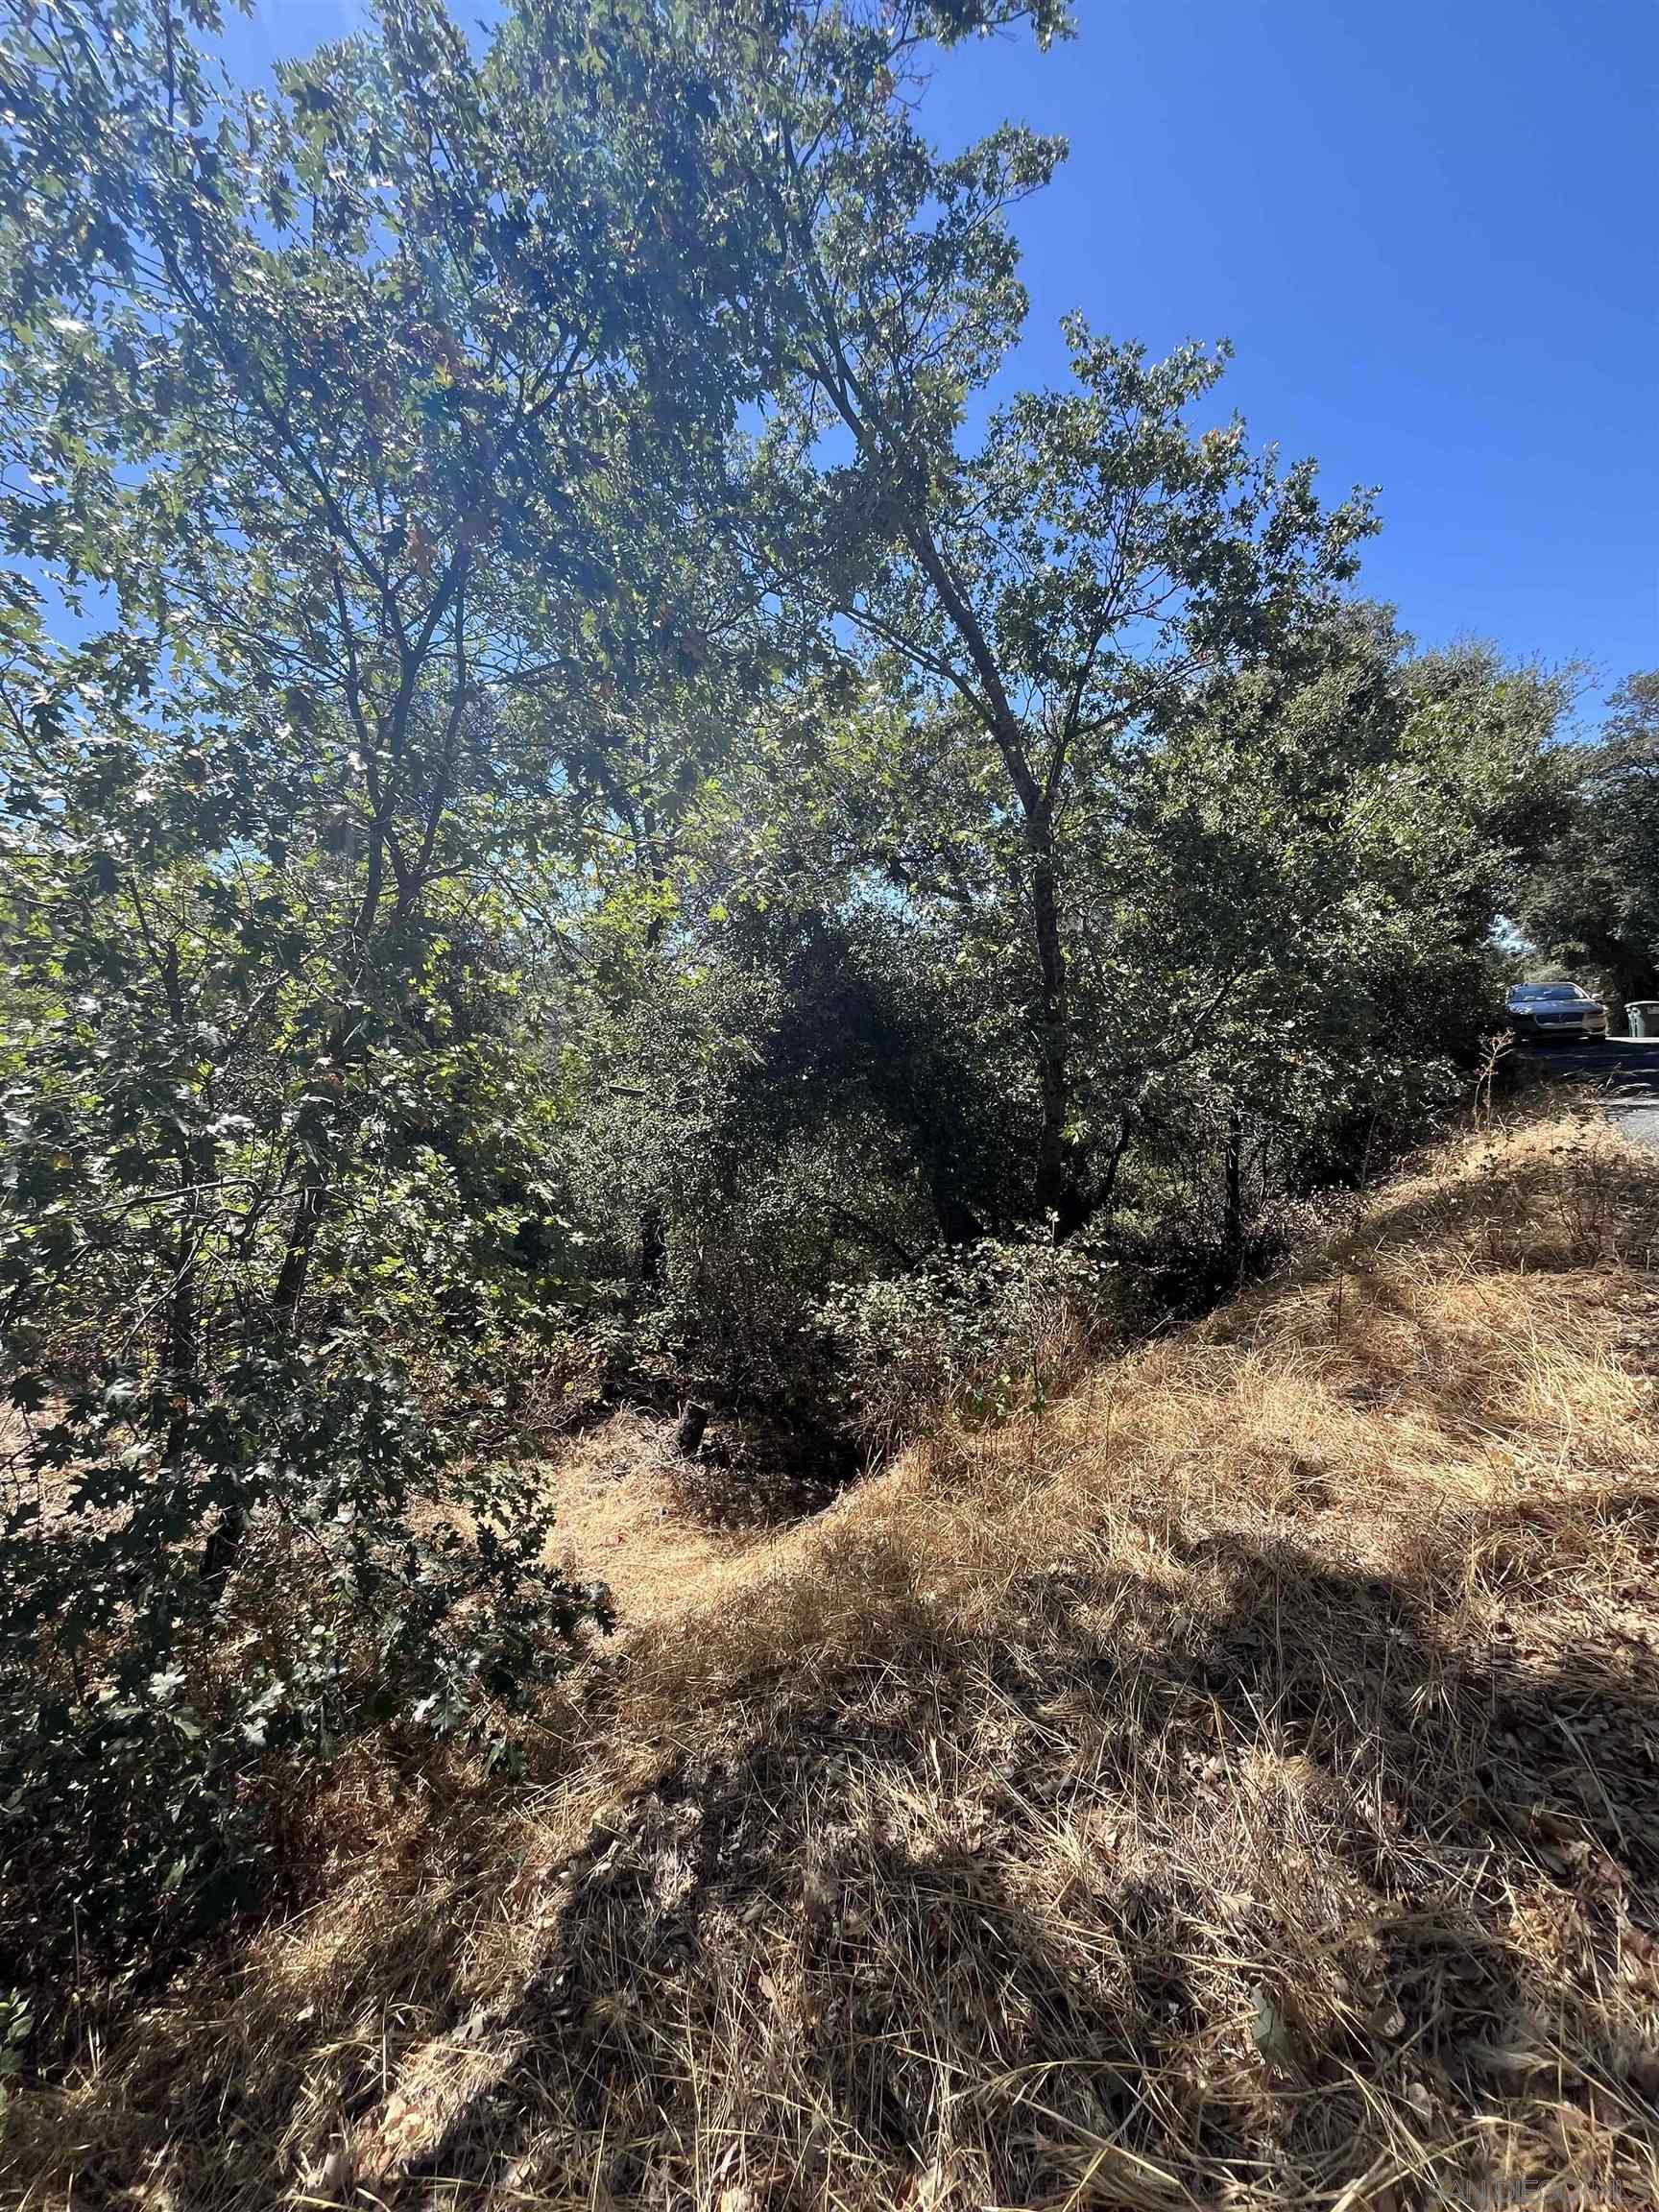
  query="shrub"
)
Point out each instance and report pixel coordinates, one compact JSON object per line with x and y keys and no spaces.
{"x":972,"y":1335}
{"x":189,"y":1632}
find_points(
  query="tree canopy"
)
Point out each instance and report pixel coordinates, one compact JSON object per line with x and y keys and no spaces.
{"x":1593,"y":900}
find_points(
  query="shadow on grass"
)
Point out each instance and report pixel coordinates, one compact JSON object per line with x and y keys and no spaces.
{"x":1262,"y":1876}
{"x":1422,"y":1861}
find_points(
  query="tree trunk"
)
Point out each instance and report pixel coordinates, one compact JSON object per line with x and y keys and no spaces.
{"x":1056,"y":1190}
{"x":313,"y":1206}
{"x":653,"y":1247}
{"x":1232,"y":1211}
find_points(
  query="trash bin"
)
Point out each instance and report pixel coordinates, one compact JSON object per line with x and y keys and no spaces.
{"x":1642,"y":1017}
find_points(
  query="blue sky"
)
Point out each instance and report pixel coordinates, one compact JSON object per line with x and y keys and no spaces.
{"x":1431,"y":229}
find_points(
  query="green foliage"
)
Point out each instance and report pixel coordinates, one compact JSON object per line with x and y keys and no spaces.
{"x":974,"y":1336}
{"x":1592,"y":900}
{"x":799,"y":1100}
{"x":1035,"y":609}
{"x":213,"y":1449}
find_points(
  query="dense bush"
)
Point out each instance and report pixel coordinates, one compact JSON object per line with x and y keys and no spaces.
{"x":971,"y":1336}
{"x":253,"y":1508}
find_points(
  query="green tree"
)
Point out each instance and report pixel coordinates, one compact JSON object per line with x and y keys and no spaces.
{"x":1034,"y":603}
{"x":1058,"y":603}
{"x":1593,"y":899}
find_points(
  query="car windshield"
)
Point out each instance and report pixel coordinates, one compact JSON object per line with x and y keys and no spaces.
{"x":1535,"y":991}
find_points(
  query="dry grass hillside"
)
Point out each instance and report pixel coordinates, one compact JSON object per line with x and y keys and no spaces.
{"x":1239,"y":1786}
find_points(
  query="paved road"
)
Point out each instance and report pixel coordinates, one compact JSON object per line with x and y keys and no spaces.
{"x":1629,"y":1069}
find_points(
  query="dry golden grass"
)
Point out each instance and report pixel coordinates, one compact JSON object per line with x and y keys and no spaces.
{"x":1239,"y":1786}
{"x":629,"y":1515}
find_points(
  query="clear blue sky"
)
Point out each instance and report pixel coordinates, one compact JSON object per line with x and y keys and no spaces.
{"x":1430,"y":229}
